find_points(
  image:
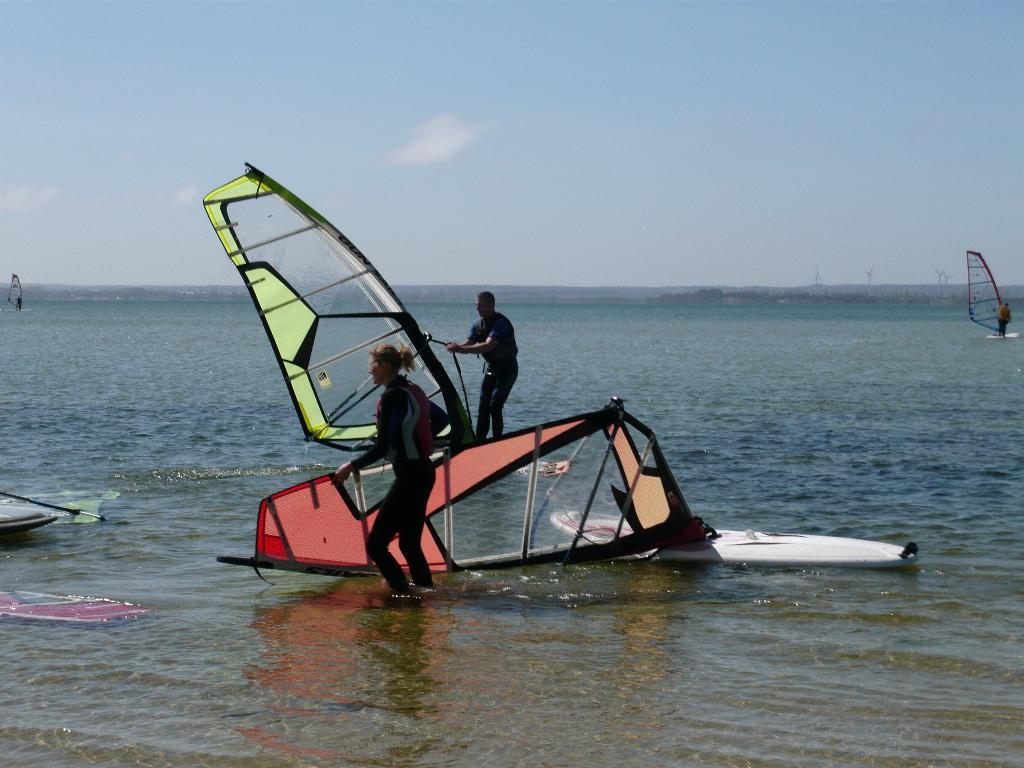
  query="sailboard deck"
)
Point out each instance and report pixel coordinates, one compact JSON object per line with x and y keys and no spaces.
{"x":36,"y":606}
{"x":1014,"y":335}
{"x":758,"y":548}
{"x":18,"y":518}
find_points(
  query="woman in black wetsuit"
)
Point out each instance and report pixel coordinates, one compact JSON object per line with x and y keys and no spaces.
{"x":404,"y":438}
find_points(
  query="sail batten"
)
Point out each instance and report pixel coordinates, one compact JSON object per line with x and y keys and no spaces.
{"x":254,"y":246}
{"x":315,"y":291}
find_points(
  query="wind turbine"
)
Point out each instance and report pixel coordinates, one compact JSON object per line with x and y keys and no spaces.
{"x":870,"y":273}
{"x":817,"y":276}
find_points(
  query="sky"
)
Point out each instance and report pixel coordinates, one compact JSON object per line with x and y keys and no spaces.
{"x":521,"y":143}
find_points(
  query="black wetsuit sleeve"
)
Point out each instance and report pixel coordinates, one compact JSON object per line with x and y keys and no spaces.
{"x":392,"y":410}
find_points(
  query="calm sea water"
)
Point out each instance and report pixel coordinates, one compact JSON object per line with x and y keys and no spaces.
{"x":883,"y":422}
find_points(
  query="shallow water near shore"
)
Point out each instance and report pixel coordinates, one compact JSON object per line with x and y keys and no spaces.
{"x":886,"y":422}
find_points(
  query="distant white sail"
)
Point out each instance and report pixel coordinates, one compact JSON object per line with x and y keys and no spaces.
{"x":14,"y":295}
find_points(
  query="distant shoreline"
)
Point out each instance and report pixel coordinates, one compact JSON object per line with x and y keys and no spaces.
{"x":814,"y":294}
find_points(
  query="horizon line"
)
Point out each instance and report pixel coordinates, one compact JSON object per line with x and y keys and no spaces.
{"x":536,"y":286}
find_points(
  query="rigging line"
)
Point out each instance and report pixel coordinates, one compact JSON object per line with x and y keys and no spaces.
{"x":355,"y":392}
{"x":69,"y":510}
{"x":458,"y":369}
{"x":268,"y":310}
{"x":335,"y":414}
{"x":426,"y":370}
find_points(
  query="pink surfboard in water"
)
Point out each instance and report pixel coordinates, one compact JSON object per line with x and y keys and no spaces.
{"x":89,"y":610}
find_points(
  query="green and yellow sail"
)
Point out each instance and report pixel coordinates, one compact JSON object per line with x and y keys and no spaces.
{"x":323,"y":306}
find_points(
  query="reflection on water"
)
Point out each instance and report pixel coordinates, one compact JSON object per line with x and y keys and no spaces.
{"x":488,"y":662}
{"x":629,"y":663}
{"x":348,"y":671}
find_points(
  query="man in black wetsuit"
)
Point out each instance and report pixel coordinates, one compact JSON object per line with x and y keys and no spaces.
{"x":493,"y":337}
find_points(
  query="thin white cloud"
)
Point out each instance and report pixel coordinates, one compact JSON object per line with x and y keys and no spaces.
{"x":434,"y":141}
{"x":186,"y":195}
{"x":23,"y":199}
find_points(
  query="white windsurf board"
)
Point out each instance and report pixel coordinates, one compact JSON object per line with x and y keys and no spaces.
{"x":763,"y":549}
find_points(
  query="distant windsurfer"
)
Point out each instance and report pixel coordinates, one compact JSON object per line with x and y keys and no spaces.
{"x":1003,"y":316}
{"x":493,"y":337}
{"x":404,"y":438}
{"x":17,"y":304}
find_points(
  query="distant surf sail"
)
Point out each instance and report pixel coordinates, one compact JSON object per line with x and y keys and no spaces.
{"x":483,"y":514}
{"x":14,"y":295}
{"x":323,"y":306}
{"x":983,"y":298}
